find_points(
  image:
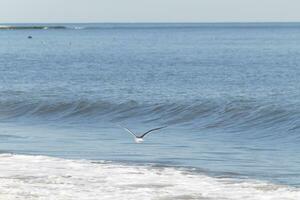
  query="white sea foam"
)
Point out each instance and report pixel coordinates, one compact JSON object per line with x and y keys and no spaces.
{"x":46,"y":178}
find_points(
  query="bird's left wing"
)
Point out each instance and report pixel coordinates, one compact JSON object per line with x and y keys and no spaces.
{"x":129,"y":131}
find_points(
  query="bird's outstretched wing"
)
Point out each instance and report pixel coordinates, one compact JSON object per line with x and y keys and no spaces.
{"x":129,"y":131}
{"x":155,"y":129}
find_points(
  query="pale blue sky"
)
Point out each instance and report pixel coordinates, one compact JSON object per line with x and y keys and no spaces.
{"x":148,"y":10}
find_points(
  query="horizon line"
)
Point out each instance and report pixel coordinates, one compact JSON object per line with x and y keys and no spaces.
{"x":157,"y":22}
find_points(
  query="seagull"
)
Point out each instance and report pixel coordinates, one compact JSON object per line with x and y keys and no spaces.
{"x":140,"y":138}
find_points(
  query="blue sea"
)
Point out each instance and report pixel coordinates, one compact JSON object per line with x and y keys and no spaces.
{"x":229,"y":94}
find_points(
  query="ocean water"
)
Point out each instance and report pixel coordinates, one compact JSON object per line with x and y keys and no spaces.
{"x":229,"y":95}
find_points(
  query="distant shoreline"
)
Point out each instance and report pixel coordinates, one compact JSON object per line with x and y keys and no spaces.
{"x":76,"y":26}
{"x":220,"y":22}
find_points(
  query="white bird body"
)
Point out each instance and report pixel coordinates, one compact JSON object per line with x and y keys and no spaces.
{"x":140,"y":139}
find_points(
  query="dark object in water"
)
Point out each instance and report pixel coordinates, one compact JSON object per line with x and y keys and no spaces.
{"x":29,"y":37}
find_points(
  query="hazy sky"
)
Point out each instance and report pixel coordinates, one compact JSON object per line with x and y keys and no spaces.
{"x":148,"y":10}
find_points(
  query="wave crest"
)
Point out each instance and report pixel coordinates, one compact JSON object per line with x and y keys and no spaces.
{"x":235,"y":115}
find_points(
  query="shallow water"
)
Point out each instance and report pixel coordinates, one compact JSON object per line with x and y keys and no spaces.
{"x":229,"y":94}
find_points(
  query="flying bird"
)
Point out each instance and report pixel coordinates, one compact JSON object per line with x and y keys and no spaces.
{"x":140,"y":138}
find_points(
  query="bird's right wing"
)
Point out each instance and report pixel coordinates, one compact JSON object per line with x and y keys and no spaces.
{"x":129,"y":131}
{"x":155,"y":129}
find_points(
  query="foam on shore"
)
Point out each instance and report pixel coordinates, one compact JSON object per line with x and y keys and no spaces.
{"x":41,"y":177}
